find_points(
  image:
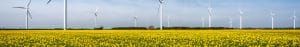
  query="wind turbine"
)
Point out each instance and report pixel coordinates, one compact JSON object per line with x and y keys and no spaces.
{"x":65,"y":13}
{"x":241,"y":18}
{"x":28,"y":13}
{"x":294,"y":19}
{"x":168,"y":22}
{"x":161,"y":13}
{"x":272,"y":18}
{"x":203,"y":22}
{"x":135,"y":18}
{"x":96,"y":17}
{"x":230,"y":22}
{"x":210,"y":14}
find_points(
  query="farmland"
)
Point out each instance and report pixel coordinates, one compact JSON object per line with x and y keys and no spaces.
{"x":149,"y":38}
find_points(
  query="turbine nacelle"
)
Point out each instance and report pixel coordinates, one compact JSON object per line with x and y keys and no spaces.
{"x":135,"y":17}
{"x":96,"y":12}
{"x":241,"y":11}
{"x":272,"y":14}
{"x":210,"y":9}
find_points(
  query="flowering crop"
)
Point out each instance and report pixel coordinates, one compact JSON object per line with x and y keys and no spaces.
{"x":149,"y":38}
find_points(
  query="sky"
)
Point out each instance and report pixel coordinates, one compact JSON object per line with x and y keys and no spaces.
{"x":120,"y":13}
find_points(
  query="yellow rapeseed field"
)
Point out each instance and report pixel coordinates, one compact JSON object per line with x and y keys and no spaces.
{"x":149,"y":38}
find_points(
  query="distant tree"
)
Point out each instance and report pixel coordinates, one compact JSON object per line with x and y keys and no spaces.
{"x":151,"y":27}
{"x":99,"y":28}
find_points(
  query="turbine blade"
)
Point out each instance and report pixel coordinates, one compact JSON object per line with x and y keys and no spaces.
{"x":19,"y":7}
{"x":28,"y":4}
{"x":29,"y":14}
{"x":161,"y":1}
{"x":210,"y":11}
{"x":49,"y":1}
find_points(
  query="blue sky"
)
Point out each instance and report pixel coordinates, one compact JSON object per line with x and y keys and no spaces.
{"x":120,"y":13}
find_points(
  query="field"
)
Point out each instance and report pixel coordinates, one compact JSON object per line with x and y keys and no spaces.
{"x":149,"y":38}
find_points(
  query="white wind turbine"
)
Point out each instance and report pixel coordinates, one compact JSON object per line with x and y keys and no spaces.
{"x":272,"y":18}
{"x":241,"y":18}
{"x":210,"y":14}
{"x":135,"y":18}
{"x":96,"y":17}
{"x":65,"y":13}
{"x":28,"y":13}
{"x":230,"y":22}
{"x":161,"y":13}
{"x":203,"y":22}
{"x":168,"y":22}
{"x":294,"y":19}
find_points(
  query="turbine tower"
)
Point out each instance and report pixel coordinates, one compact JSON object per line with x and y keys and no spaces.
{"x":135,"y":18}
{"x":203,"y":22}
{"x":230,"y":22}
{"x":28,"y":12}
{"x":294,"y":19}
{"x":96,"y":17}
{"x":210,"y":14}
{"x":272,"y":18}
{"x":168,"y":22}
{"x":65,"y":13}
{"x":161,"y":13}
{"x":241,"y":18}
